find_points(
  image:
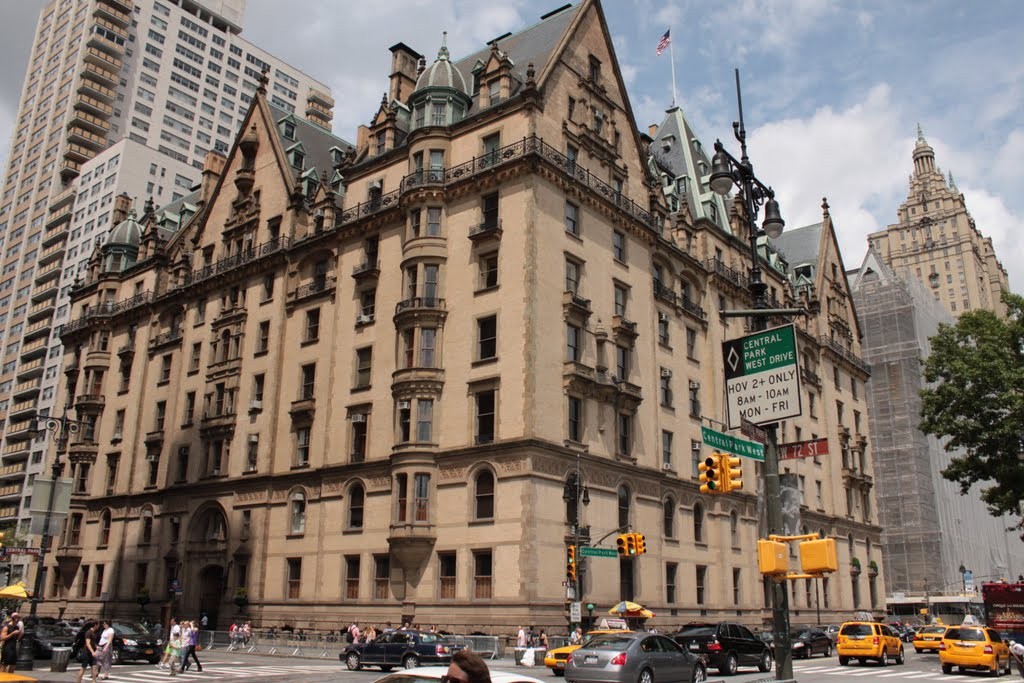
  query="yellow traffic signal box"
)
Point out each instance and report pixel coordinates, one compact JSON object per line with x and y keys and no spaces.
{"x":622,"y":545}
{"x":570,"y":563}
{"x":641,"y":543}
{"x":772,"y":557}
{"x":817,"y":557}
{"x":631,"y":544}
{"x":732,"y":473}
{"x":710,"y":474}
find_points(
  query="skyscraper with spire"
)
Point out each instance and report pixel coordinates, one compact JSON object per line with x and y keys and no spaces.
{"x":936,"y":239}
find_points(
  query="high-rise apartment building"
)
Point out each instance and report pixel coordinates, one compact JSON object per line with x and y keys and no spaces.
{"x":937,"y":241}
{"x":403,"y":390}
{"x":171,"y":80}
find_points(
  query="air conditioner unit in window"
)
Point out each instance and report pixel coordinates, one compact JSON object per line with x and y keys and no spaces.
{"x":694,"y":385}
{"x":116,"y":436}
{"x":255,"y":405}
{"x":403,"y":405}
{"x":363,"y":319}
{"x":665,"y":372}
{"x":663,"y":316}
{"x":696,"y":446}
{"x":153,"y":457}
{"x":360,"y":417}
{"x":254,"y":438}
{"x":666,"y":466}
{"x":376,"y":187}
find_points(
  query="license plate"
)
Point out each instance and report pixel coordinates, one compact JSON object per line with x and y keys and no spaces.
{"x":694,"y":647}
{"x":446,"y":650}
{"x":590,"y":659}
{"x":149,"y":652}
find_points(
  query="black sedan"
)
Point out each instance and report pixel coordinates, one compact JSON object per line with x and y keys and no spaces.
{"x":134,"y":642}
{"x":48,"y":636}
{"x":404,"y":648}
{"x":808,"y":642}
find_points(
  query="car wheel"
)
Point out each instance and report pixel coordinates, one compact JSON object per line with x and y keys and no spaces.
{"x":352,"y":661}
{"x":828,"y":650}
{"x":765,"y":664}
{"x":843,"y":661}
{"x":884,"y":659}
{"x":995,"y":672}
{"x":700,"y":674}
{"x":728,"y":667}
{"x":410,"y":662}
{"x":386,"y":669}
{"x":558,"y":672}
{"x":115,"y":656}
{"x":917,"y":650}
{"x":901,"y":658}
{"x":947,"y":669}
{"x":646,"y":677}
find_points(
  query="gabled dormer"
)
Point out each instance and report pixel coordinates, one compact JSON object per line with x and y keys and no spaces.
{"x":288,"y":126}
{"x":492,"y":78}
{"x":296,"y":154}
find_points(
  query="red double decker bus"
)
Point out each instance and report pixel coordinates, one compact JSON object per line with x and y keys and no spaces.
{"x":1004,"y":608}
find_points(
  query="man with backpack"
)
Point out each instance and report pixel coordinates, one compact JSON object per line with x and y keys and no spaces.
{"x":353,"y":632}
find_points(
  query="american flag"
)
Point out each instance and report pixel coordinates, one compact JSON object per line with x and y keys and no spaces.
{"x":665,"y":40}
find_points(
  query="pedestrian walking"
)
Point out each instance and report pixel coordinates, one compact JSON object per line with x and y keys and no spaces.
{"x":86,"y":641}
{"x":9,"y":637}
{"x":174,"y":652}
{"x":1017,"y":653}
{"x":105,"y":649}
{"x":174,"y":632}
{"x":189,"y":641}
{"x":521,"y":638}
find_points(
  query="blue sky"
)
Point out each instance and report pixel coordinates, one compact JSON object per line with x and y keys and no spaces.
{"x":833,"y":91}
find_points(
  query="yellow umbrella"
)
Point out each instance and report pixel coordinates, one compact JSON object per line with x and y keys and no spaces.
{"x":16,"y":590}
{"x":624,"y":607}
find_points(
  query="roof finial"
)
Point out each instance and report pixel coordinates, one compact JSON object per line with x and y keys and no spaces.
{"x":264,"y":79}
{"x":443,"y":52}
{"x":824,"y":207}
{"x":920,"y":133}
{"x":952,"y":183}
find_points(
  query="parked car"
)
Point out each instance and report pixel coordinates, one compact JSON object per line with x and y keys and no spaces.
{"x":48,"y":636}
{"x":807,"y":642}
{"x":928,"y":638}
{"x":974,"y":647}
{"x":633,"y":657}
{"x":432,"y":674}
{"x":404,"y":648}
{"x":864,"y":640}
{"x":555,"y":659}
{"x":725,"y":646}
{"x":133,"y":642}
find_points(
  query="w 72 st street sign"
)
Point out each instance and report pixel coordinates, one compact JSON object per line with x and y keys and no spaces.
{"x":761,"y":377}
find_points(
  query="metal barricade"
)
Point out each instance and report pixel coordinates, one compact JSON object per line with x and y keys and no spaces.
{"x":488,"y":647}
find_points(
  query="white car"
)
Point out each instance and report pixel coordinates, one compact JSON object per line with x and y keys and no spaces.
{"x":432,"y":674}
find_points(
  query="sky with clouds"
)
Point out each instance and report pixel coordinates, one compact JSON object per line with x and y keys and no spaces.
{"x":832,"y":91}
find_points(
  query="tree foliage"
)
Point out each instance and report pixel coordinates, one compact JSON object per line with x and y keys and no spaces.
{"x":975,"y":400}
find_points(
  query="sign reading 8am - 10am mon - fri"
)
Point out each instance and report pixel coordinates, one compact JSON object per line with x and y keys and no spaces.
{"x":761,"y":379}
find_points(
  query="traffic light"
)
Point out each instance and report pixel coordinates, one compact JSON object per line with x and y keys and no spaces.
{"x":732,"y":473}
{"x":622,"y":544}
{"x":631,"y":544}
{"x":710,"y":474}
{"x":641,"y":545}
{"x":570,"y":565}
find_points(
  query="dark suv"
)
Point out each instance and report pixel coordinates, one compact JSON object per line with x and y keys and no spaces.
{"x":403,"y":648}
{"x":725,"y":646}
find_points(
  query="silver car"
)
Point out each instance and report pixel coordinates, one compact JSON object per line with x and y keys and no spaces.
{"x":634,"y":657}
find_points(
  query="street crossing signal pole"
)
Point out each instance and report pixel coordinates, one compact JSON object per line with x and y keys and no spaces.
{"x":726,"y":171}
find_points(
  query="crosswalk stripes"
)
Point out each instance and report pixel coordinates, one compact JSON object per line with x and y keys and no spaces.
{"x":216,"y":671}
{"x":873,"y":673}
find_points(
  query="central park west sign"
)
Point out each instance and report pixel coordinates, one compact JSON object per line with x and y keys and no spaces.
{"x":761,"y":377}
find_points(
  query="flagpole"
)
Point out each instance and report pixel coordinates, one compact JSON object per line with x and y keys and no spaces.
{"x":672,"y":58}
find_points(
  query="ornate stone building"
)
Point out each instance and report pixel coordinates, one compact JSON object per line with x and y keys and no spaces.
{"x":354,"y":381}
{"x":937,"y":241}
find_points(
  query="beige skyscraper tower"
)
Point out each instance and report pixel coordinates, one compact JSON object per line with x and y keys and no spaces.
{"x":936,"y":239}
{"x":120,"y":96}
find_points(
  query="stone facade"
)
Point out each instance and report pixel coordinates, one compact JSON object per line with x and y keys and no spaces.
{"x":368,"y":374}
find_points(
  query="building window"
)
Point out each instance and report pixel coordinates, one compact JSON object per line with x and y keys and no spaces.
{"x":364,"y":363}
{"x":312,"y":325}
{"x":572,"y":219}
{"x":447,"y":573}
{"x":734,"y":528}
{"x":483,"y":575}
{"x":666,"y":450}
{"x":197,"y":350}
{"x":487,"y":337}
{"x":351,"y":577}
{"x":668,"y":519}
{"x":621,"y":296}
{"x":691,"y":343}
{"x":97,"y":587}
{"x":489,"y":209}
{"x":302,"y":447}
{"x":165,"y":369}
{"x":694,"y":399}
{"x":486,"y":403}
{"x":356,"y":501}
{"x":433,"y":221}
{"x":298,"y":511}
{"x":572,"y":276}
{"x":252,"y":452}
{"x":666,"y":387}
{"x":623,"y":497}
{"x":663,"y":335}
{"x":698,"y":523}
{"x":488,"y":271}
{"x":671,"y":569}
{"x":104,"y":529}
{"x":575,"y":419}
{"x":381,"y":577}
{"x":619,"y":246}
{"x":736,"y":586}
{"x":263,"y":337}
{"x":421,"y":501}
{"x":621,"y":362}
{"x":308,"y":385}
{"x":160,"y":417}
{"x":484,"y":508}
{"x":359,"y":433}
{"x":699,"y":582}
{"x":625,"y":433}
{"x":294,"y":577}
{"x":424,"y":420}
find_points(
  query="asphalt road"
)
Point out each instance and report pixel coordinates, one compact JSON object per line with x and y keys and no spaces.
{"x":232,"y":667}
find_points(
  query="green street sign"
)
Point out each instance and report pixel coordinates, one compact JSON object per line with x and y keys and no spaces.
{"x":587,"y":551}
{"x":730,"y":444}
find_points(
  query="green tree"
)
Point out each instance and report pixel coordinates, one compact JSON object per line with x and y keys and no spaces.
{"x":975,"y":400}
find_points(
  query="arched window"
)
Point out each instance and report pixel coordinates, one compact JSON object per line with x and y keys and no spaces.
{"x":356,"y":498}
{"x":849,"y":544}
{"x":225,"y":343}
{"x":484,"y":495}
{"x":734,"y":528}
{"x":215,"y":528}
{"x":105,"y":528}
{"x":623,"y":506}
{"x":698,"y":523}
{"x":669,"y":518}
{"x":147,"y":525}
{"x":298,"y":510}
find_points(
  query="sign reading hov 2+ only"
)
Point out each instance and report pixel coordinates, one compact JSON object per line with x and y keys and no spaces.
{"x":761,"y":377}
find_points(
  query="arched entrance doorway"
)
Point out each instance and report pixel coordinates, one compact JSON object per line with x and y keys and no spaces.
{"x":211,"y":592}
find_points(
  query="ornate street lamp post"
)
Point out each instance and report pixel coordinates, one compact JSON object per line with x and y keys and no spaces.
{"x":575,"y":493}
{"x":726,"y":172}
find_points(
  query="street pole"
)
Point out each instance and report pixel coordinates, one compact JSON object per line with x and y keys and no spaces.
{"x":726,"y":170}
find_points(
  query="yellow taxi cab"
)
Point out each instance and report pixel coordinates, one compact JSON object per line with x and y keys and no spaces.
{"x":864,"y":640}
{"x":555,"y":659}
{"x":974,"y":647}
{"x":928,"y":638}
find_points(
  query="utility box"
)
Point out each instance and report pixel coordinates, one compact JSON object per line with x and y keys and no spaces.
{"x":818,"y":557}
{"x":772,"y":557}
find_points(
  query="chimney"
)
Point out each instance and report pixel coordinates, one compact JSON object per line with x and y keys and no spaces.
{"x":652,"y":130}
{"x":403,"y":72}
{"x":213,"y":169}
{"x":122,"y":205}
